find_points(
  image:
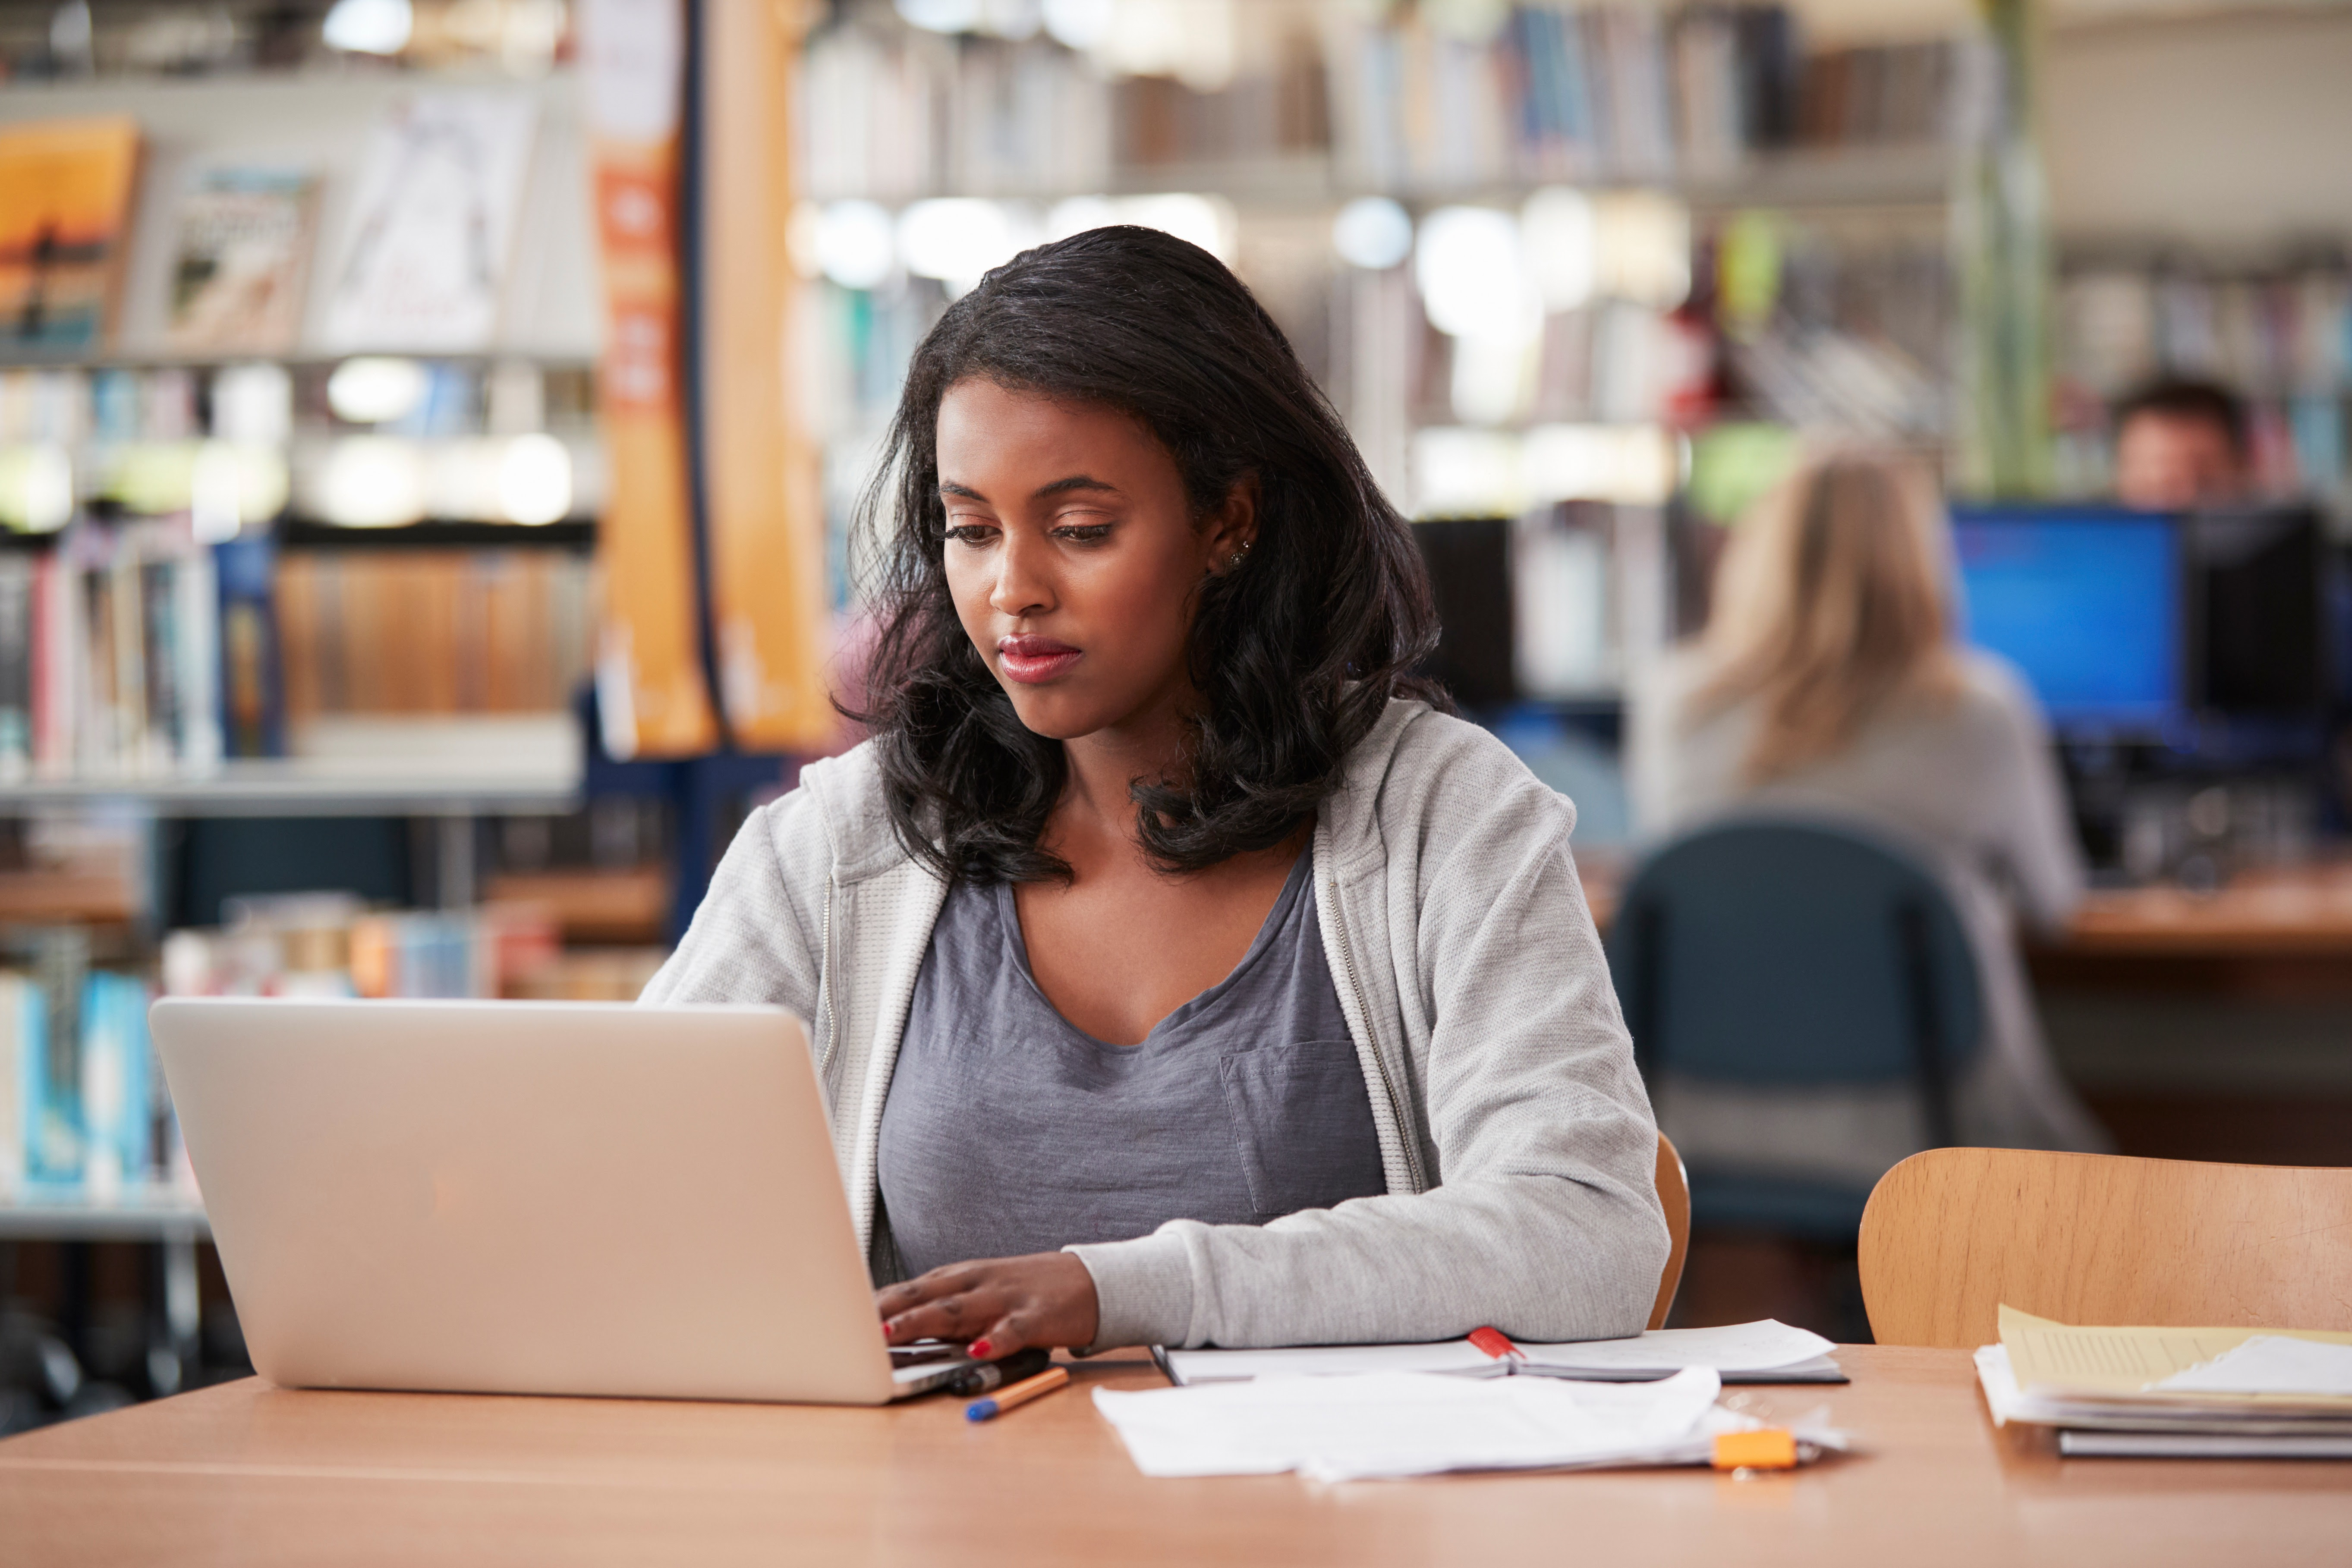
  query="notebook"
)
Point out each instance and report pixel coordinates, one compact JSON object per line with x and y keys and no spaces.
{"x":2183,"y":1392}
{"x":1766,"y":1352}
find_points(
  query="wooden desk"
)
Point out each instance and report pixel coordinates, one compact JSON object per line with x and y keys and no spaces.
{"x":248,"y":1474}
{"x":2305,"y":913}
{"x":2300,"y":912}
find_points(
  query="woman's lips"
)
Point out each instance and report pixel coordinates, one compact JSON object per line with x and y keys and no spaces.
{"x":1033,"y":660}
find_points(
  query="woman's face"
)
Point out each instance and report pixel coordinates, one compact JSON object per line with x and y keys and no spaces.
{"x":1073,"y":555}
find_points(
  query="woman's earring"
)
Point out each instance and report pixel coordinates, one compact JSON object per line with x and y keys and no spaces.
{"x":1235,"y":560}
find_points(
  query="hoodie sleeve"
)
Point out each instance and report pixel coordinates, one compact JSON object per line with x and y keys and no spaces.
{"x":758,"y":935}
{"x":1536,"y":1147}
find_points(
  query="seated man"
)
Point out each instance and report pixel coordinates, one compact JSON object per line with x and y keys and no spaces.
{"x":2179,"y":444}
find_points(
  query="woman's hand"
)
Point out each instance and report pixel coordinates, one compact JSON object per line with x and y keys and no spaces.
{"x":998,"y":1304}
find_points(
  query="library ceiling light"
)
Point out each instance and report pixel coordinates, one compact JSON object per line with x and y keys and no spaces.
{"x":369,"y":26}
{"x":855,"y":245}
{"x":1473,"y":278}
{"x":36,"y":488}
{"x":1195,"y":41}
{"x":375,"y":390}
{"x":1642,"y":246}
{"x":1561,"y":240}
{"x":1080,"y":24}
{"x":535,"y":480}
{"x":1373,"y":232}
{"x":956,"y":239}
{"x":372,"y":481}
{"x":228,"y":483}
{"x":1015,"y":19}
{"x":1632,"y":464}
{"x":1493,"y":379}
{"x":253,"y":403}
{"x":1205,"y":221}
{"x":1075,"y":215}
{"x":1466,"y":473}
{"x":941,"y":16}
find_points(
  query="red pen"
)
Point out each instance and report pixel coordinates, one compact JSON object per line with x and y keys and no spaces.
{"x":1494,"y":1344}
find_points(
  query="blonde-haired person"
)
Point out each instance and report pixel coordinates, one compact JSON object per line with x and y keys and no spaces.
{"x":1829,"y":683}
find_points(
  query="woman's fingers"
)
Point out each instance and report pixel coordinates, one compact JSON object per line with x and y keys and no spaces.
{"x":1003,"y":1337}
{"x":996,"y":1305}
{"x":956,"y":1317}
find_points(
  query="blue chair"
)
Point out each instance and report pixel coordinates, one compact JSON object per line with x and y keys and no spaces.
{"x":1794,"y":954}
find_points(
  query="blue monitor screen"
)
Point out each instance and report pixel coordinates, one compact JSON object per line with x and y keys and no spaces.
{"x":2085,"y":603}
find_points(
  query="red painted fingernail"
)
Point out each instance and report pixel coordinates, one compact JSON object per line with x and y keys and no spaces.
{"x":979,"y":1348}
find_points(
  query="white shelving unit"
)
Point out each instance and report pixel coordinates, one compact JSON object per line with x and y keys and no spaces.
{"x":438,"y":767}
{"x":167,"y":1214}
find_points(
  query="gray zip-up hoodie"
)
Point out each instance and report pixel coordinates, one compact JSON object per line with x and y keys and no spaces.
{"x":1515,"y":1135}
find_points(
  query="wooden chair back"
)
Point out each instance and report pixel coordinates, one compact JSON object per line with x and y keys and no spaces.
{"x":1951,"y":1234}
{"x":1673,"y":1192}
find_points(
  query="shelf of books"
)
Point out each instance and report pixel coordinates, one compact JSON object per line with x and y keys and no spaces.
{"x":2279,"y":329}
{"x":298,"y":478}
{"x":301,"y":478}
{"x":1588,"y":267}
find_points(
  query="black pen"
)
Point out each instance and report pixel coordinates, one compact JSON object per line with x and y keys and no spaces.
{"x":990,"y":1375}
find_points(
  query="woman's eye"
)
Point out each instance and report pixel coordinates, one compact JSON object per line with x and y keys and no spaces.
{"x":970,"y":533}
{"x":1083,"y":532}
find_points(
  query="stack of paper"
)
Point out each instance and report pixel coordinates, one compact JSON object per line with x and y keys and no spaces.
{"x":2201,"y":1393}
{"x":1414,"y":1424}
{"x":1767,"y":1352}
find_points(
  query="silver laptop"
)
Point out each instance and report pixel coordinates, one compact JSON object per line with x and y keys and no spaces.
{"x":529,"y":1197}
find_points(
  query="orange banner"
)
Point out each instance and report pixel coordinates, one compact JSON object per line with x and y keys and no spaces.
{"x":649,"y":685}
{"x":766,"y":505}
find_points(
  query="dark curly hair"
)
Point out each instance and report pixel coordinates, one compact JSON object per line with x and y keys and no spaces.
{"x":1294,"y":655}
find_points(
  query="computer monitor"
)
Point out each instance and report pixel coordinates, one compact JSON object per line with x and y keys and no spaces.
{"x":2257,"y":585}
{"x":2087,"y":602}
{"x":1469,"y":561}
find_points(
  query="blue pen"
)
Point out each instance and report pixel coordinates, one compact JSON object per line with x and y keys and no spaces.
{"x":1020,"y":1392}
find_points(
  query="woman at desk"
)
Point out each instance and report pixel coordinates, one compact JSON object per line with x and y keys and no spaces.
{"x":1828,"y":682}
{"x":1178,"y":972}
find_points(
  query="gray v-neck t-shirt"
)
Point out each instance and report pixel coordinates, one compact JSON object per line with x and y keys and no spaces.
{"x":1007,"y":1130}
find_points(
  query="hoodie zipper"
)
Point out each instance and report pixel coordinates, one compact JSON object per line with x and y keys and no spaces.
{"x":829,"y":1026}
{"x":1406,"y":1139}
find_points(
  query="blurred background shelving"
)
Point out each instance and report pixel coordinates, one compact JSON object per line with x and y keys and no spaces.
{"x":309,"y":607}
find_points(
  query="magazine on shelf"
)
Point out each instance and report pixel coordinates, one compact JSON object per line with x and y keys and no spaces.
{"x":65,"y":214}
{"x":240,"y":260}
{"x":423,"y":262}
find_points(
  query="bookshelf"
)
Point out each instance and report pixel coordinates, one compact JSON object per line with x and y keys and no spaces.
{"x":2275,"y":325}
{"x":164,"y":1214}
{"x":1814,"y":186}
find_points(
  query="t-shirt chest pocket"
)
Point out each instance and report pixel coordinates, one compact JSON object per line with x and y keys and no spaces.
{"x":1303,"y":1125}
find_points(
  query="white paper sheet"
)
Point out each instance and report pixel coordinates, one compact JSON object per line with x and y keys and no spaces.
{"x":1410,"y":1424}
{"x":2268,"y":1363}
{"x":1739,"y":1347}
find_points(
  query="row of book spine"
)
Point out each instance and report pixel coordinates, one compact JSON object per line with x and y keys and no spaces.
{"x":888,"y":115}
{"x":82,"y":1105}
{"x":109,"y":657}
{"x":1560,"y":92}
{"x":2281,"y":337}
{"x":433,"y":631}
{"x":336,"y":948}
{"x":132,"y":652}
{"x":1570,"y":91}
